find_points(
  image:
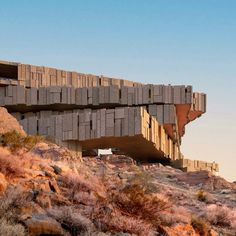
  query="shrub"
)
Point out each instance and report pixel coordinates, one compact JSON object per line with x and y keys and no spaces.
{"x":133,"y":200}
{"x":10,"y":229}
{"x":144,"y":179}
{"x":221,"y":215}
{"x":117,"y":222}
{"x":10,"y":205}
{"x":201,"y":195}
{"x":30,"y":141}
{"x":10,"y":165}
{"x":200,"y":226}
{"x":71,"y":220}
{"x":14,"y":141}
{"x":82,"y":182}
{"x":176,"y":215}
{"x":12,"y":202}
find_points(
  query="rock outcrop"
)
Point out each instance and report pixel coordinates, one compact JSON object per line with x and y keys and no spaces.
{"x":9,"y":123}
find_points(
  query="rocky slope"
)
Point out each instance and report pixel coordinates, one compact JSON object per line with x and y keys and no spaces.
{"x":47,"y":190}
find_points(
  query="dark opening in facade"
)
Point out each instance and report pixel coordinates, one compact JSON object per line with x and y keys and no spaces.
{"x":8,"y":71}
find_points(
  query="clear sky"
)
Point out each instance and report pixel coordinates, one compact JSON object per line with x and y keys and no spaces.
{"x":153,"y":41}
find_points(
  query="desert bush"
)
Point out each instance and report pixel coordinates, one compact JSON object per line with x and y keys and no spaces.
{"x":133,"y":200}
{"x":10,"y":229}
{"x":200,"y":226}
{"x":221,"y":215}
{"x":10,"y":165}
{"x":85,"y":198}
{"x":82,"y":183}
{"x":144,"y":179}
{"x":15,"y":141}
{"x":201,"y":195}
{"x":11,"y":203}
{"x":12,"y":139}
{"x":129,"y":210}
{"x":117,"y":222}
{"x":30,"y":141}
{"x":71,"y":220}
{"x":176,"y":215}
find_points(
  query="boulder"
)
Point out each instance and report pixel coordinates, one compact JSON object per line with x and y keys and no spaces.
{"x":178,"y":230}
{"x":9,"y":123}
{"x":43,"y":225}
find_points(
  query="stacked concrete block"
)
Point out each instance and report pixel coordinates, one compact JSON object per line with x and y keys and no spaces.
{"x":195,"y":165}
{"x":99,"y":110}
{"x":199,"y":102}
{"x":102,"y":95}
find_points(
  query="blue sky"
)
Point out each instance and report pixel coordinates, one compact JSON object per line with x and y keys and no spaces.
{"x":152,"y":41}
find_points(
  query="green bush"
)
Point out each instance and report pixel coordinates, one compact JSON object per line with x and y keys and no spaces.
{"x":14,"y":141}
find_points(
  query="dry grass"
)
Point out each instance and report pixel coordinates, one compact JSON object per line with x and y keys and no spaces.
{"x":175,"y":215}
{"x":10,"y":165}
{"x":10,"y":206}
{"x":143,"y":179}
{"x":221,"y":215}
{"x":129,"y":210}
{"x":9,"y":229}
{"x":71,"y":220}
{"x":83,"y":183}
{"x":11,"y":202}
{"x":116,"y":222}
{"x":133,"y":200}
{"x":200,"y":226}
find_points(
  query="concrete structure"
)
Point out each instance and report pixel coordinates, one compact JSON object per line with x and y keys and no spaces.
{"x":86,"y":112}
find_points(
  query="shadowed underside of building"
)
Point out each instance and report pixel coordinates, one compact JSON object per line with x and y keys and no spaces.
{"x":87,"y":112}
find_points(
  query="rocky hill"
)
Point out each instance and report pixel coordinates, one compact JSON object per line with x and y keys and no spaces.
{"x":46,"y":190}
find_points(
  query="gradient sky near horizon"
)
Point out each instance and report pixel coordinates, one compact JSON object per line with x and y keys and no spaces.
{"x":152,"y":41}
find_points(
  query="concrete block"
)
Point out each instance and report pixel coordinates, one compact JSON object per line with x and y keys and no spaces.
{"x":101,"y":95}
{"x":14,"y":95}
{"x":131,"y":122}
{"x":32,"y":125}
{"x":75,"y":126}
{"x":95,"y":93}
{"x":125,"y":123}
{"x":114,"y":94}
{"x":160,"y":114}
{"x":64,"y":97}
{"x":118,"y":131}
{"x":130,"y":96}
{"x":119,"y":113}
{"x":103,"y":123}
{"x":146,"y":92}
{"x":81,"y":131}
{"x":124,"y":95}
{"x":78,"y":96}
